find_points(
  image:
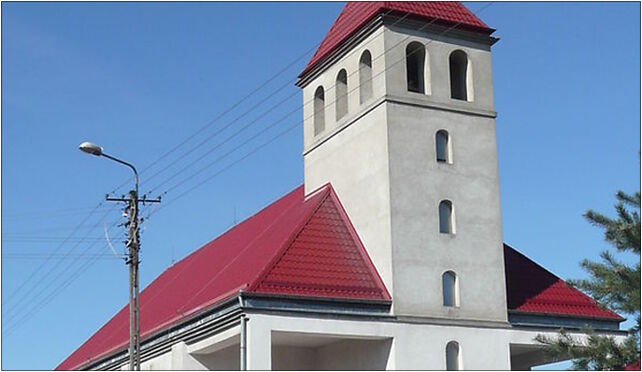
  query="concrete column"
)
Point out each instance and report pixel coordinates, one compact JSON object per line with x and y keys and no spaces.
{"x":259,"y":345}
{"x":182,"y":360}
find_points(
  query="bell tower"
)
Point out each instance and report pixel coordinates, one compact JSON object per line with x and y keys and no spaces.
{"x":399,"y":117}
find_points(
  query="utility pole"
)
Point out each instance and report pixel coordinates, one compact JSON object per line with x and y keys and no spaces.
{"x":133,"y":246}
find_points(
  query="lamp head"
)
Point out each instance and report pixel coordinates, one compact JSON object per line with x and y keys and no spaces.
{"x":91,"y":148}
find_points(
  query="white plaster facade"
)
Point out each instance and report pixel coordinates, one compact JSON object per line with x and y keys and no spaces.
{"x":283,"y":342}
{"x":380,"y":159}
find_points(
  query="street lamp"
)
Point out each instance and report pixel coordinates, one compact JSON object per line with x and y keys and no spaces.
{"x":134,"y":245}
{"x":94,"y":149}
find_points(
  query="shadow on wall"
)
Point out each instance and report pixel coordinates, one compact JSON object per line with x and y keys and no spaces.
{"x":524,"y":280}
{"x":329,"y":353}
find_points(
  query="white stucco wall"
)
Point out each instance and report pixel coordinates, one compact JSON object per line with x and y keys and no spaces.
{"x":308,"y":342}
{"x":345,"y":354}
{"x":380,"y":158}
{"x":415,"y":346}
{"x":354,"y":157}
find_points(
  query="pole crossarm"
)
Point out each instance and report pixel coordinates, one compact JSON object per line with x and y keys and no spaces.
{"x":144,"y":200}
{"x":133,"y":245}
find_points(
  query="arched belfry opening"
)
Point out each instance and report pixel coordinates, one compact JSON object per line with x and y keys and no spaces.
{"x":460,"y":76}
{"x":365,"y":77}
{"x":319,"y":110}
{"x":416,"y":67}
{"x":341,"y":100}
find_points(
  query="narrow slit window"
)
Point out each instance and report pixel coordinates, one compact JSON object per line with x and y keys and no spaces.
{"x":453,"y":356}
{"x":450,"y":291}
{"x":319,"y":111}
{"x":415,"y":64}
{"x":341,"y":101}
{"x":446,"y":217}
{"x":442,"y":144}
{"x":365,"y":77}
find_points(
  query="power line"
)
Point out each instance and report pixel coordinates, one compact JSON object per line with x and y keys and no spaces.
{"x":261,"y":86}
{"x":272,"y":108}
{"x":184,"y":168}
{"x":227,"y":167}
{"x":252,"y":151}
{"x":45,"y":301}
{"x":26,"y":294}
{"x":211,"y":122}
{"x":92,"y":258}
{"x":20,"y":287}
{"x":26,"y":238}
{"x":47,"y":213}
{"x":10,"y":315}
{"x":280,"y":134}
{"x":49,"y":229}
{"x":41,"y":256}
{"x":310,"y":116}
{"x":45,"y":239}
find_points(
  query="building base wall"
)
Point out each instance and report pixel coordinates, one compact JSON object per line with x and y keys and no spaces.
{"x":295,"y":341}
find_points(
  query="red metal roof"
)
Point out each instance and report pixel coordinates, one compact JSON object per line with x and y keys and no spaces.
{"x":325,"y":259}
{"x":302,"y":246}
{"x":531,"y":288}
{"x":357,"y":13}
{"x":635,"y":366}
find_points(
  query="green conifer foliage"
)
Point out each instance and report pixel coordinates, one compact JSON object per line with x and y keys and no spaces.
{"x":613,"y":284}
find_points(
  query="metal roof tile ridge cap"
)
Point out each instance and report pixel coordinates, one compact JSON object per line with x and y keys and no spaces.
{"x":593,"y":301}
{"x":230,"y":229}
{"x":318,"y":58}
{"x":177,"y":274}
{"x":295,"y":233}
{"x":249,"y":244}
{"x":360,"y":247}
{"x":533,"y":261}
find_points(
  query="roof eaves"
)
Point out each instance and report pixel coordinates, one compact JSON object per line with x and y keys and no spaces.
{"x":158,"y":331}
{"x":342,"y":48}
{"x":618,"y":318}
{"x":615,"y":315}
{"x":321,"y":60}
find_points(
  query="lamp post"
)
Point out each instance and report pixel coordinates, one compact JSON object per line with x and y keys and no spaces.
{"x":134,"y":245}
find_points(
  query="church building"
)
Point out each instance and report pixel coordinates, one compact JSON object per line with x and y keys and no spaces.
{"x":390,"y":255}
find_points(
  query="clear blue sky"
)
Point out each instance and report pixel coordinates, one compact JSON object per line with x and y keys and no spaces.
{"x":138,"y":78}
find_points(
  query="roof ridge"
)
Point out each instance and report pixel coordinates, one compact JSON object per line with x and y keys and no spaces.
{"x":288,"y":273}
{"x":535,"y":262}
{"x":356,"y":14}
{"x":287,"y":242}
{"x":360,"y":246}
{"x":568,"y":303}
{"x":247,"y":246}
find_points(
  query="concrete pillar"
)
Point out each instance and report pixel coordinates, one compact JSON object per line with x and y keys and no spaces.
{"x":259,"y":345}
{"x":182,"y":360}
{"x":179,"y":351}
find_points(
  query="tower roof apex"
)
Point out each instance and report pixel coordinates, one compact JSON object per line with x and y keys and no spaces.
{"x":356,"y":14}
